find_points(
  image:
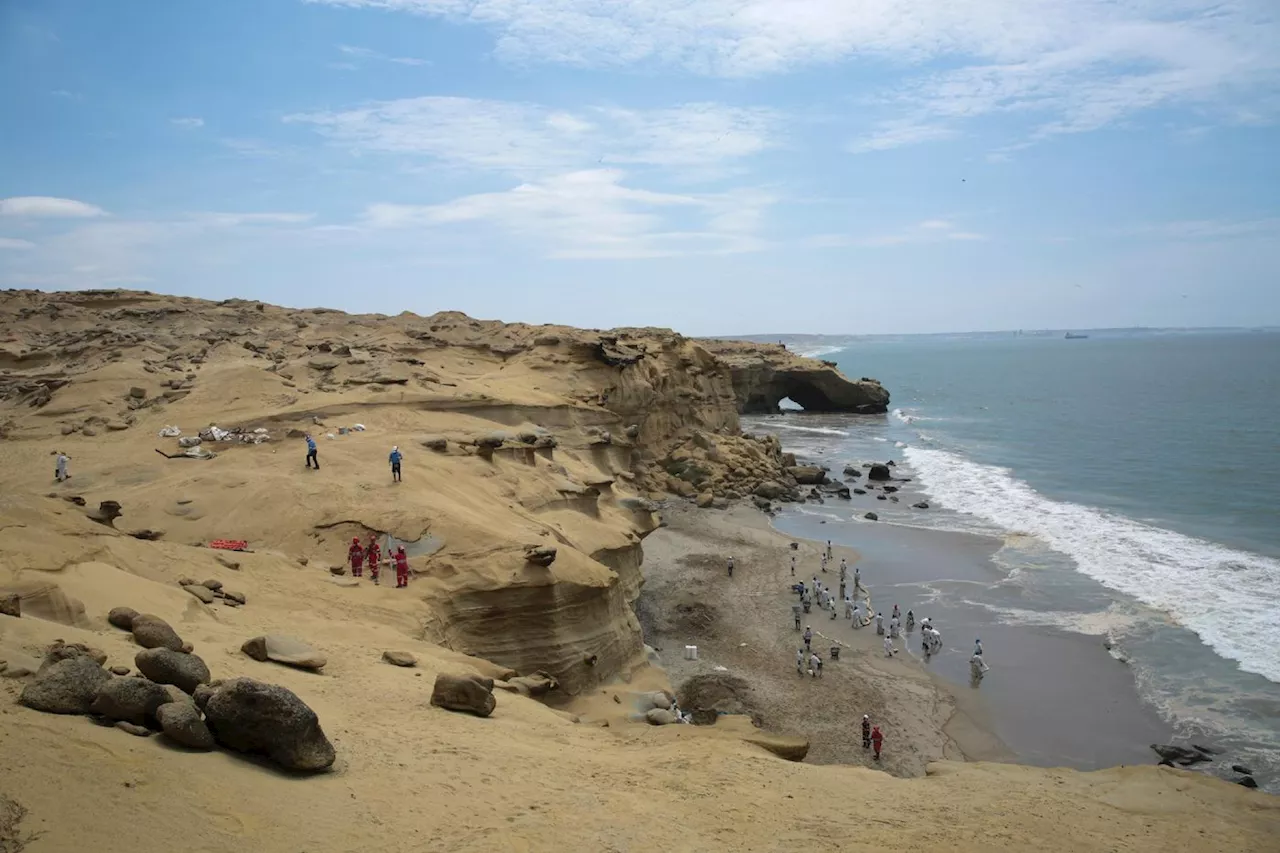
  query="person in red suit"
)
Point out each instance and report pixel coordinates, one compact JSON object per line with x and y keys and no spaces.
{"x":877,"y":738}
{"x":373,"y":556}
{"x":356,"y":555}
{"x":402,"y":568}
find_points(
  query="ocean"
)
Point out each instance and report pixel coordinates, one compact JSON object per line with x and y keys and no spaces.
{"x":1133,"y":480}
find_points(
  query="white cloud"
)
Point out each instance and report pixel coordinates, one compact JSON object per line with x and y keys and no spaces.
{"x":898,"y":133}
{"x":34,"y":206}
{"x":189,"y":123}
{"x":1075,"y":64}
{"x":1209,"y":229}
{"x":927,"y":231}
{"x":592,"y":214}
{"x":936,"y":224}
{"x":530,"y":140}
{"x":231,"y":220}
{"x":366,"y":53}
{"x":14,"y":243}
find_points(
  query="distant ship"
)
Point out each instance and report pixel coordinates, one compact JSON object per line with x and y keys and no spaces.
{"x":1073,"y":337}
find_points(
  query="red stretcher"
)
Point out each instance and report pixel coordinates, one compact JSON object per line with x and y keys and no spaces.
{"x":229,"y":544}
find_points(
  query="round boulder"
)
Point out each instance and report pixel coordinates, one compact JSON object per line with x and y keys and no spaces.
{"x":134,"y":700}
{"x":266,"y":719}
{"x":182,"y":724}
{"x":165,"y":666}
{"x":152,"y":632}
{"x":122,"y":617}
{"x":68,"y":686}
{"x":880,"y":473}
{"x":399,"y":658}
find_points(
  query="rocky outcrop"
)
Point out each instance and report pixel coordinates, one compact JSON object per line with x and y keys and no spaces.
{"x":68,"y":686}
{"x":765,"y":374}
{"x":467,"y":693}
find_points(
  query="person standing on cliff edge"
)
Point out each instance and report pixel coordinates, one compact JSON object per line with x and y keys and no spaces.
{"x":311,"y":452}
{"x":866,"y":732}
{"x":731,"y":567}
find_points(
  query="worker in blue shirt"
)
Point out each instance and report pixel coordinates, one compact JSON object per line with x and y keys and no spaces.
{"x":312,"y":459}
{"x":396,"y":456}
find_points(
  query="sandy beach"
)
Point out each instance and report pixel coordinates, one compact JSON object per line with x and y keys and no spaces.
{"x":744,"y":631}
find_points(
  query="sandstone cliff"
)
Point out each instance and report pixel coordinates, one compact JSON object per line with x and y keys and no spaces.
{"x":764,"y":374}
{"x":515,"y":436}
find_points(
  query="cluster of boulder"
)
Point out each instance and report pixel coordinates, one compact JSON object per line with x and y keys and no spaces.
{"x":175,"y":695}
{"x":211,"y":590}
{"x":1182,"y":756}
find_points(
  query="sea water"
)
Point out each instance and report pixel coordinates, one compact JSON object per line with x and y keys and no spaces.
{"x":1134,"y":479}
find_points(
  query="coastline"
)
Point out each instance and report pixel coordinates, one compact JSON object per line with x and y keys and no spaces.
{"x":744,"y":625}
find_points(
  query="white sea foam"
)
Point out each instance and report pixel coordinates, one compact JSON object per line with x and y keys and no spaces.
{"x":818,"y":430}
{"x":819,"y":352}
{"x":904,"y":417}
{"x":1228,"y":597}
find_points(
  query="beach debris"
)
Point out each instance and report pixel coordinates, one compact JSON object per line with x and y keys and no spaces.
{"x":165,"y":666}
{"x":11,"y":605}
{"x":252,"y":717}
{"x":540,"y":555}
{"x":152,"y":632}
{"x":286,"y":650}
{"x":181,"y":723}
{"x":871,"y":516}
{"x":879,"y":473}
{"x":134,"y":700}
{"x":399,"y":658}
{"x":68,"y":686}
{"x":169,"y":432}
{"x":470,"y":694}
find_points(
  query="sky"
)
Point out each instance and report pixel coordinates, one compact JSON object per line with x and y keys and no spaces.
{"x":714,"y":166}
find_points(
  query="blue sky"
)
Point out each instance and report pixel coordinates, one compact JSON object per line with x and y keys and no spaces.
{"x":719,"y":166}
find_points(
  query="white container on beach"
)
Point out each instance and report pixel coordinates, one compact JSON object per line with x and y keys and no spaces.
{"x":690,"y":652}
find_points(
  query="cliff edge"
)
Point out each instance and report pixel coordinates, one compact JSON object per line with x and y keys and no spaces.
{"x":765,"y":374}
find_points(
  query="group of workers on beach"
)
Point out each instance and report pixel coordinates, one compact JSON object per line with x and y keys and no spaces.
{"x":360,"y":556}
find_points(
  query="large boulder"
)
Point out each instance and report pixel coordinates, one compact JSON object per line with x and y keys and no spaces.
{"x":68,"y":686}
{"x":808,"y":475}
{"x":152,"y":632}
{"x":771,"y":490}
{"x":182,"y":724}
{"x":165,"y":666}
{"x":266,"y":719}
{"x":11,"y":605}
{"x":468,"y":693}
{"x":880,"y":473}
{"x":134,"y":700}
{"x":122,"y":617}
{"x":286,"y":650}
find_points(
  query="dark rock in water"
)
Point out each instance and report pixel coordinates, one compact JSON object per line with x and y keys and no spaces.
{"x":135,"y":730}
{"x":1248,"y":782}
{"x":882,"y":497}
{"x":152,"y":632}
{"x":165,"y":666}
{"x":1174,"y":753}
{"x":1241,"y":769}
{"x":11,"y":605}
{"x":879,"y":473}
{"x":1193,"y":759}
{"x":891,"y":463}
{"x":871,"y":516}
{"x":182,"y":724}
{"x":843,"y":494}
{"x":851,"y":472}
{"x":466,"y":693}
{"x":249,"y":716}
{"x":1206,"y":750}
{"x":893,"y":498}
{"x":134,"y":700}
{"x":859,"y":491}
{"x":921,"y":505}
{"x":122,"y":617}
{"x":68,"y":686}
{"x":890,"y":489}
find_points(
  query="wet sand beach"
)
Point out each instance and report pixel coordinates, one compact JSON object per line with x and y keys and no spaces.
{"x":1056,"y":698}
